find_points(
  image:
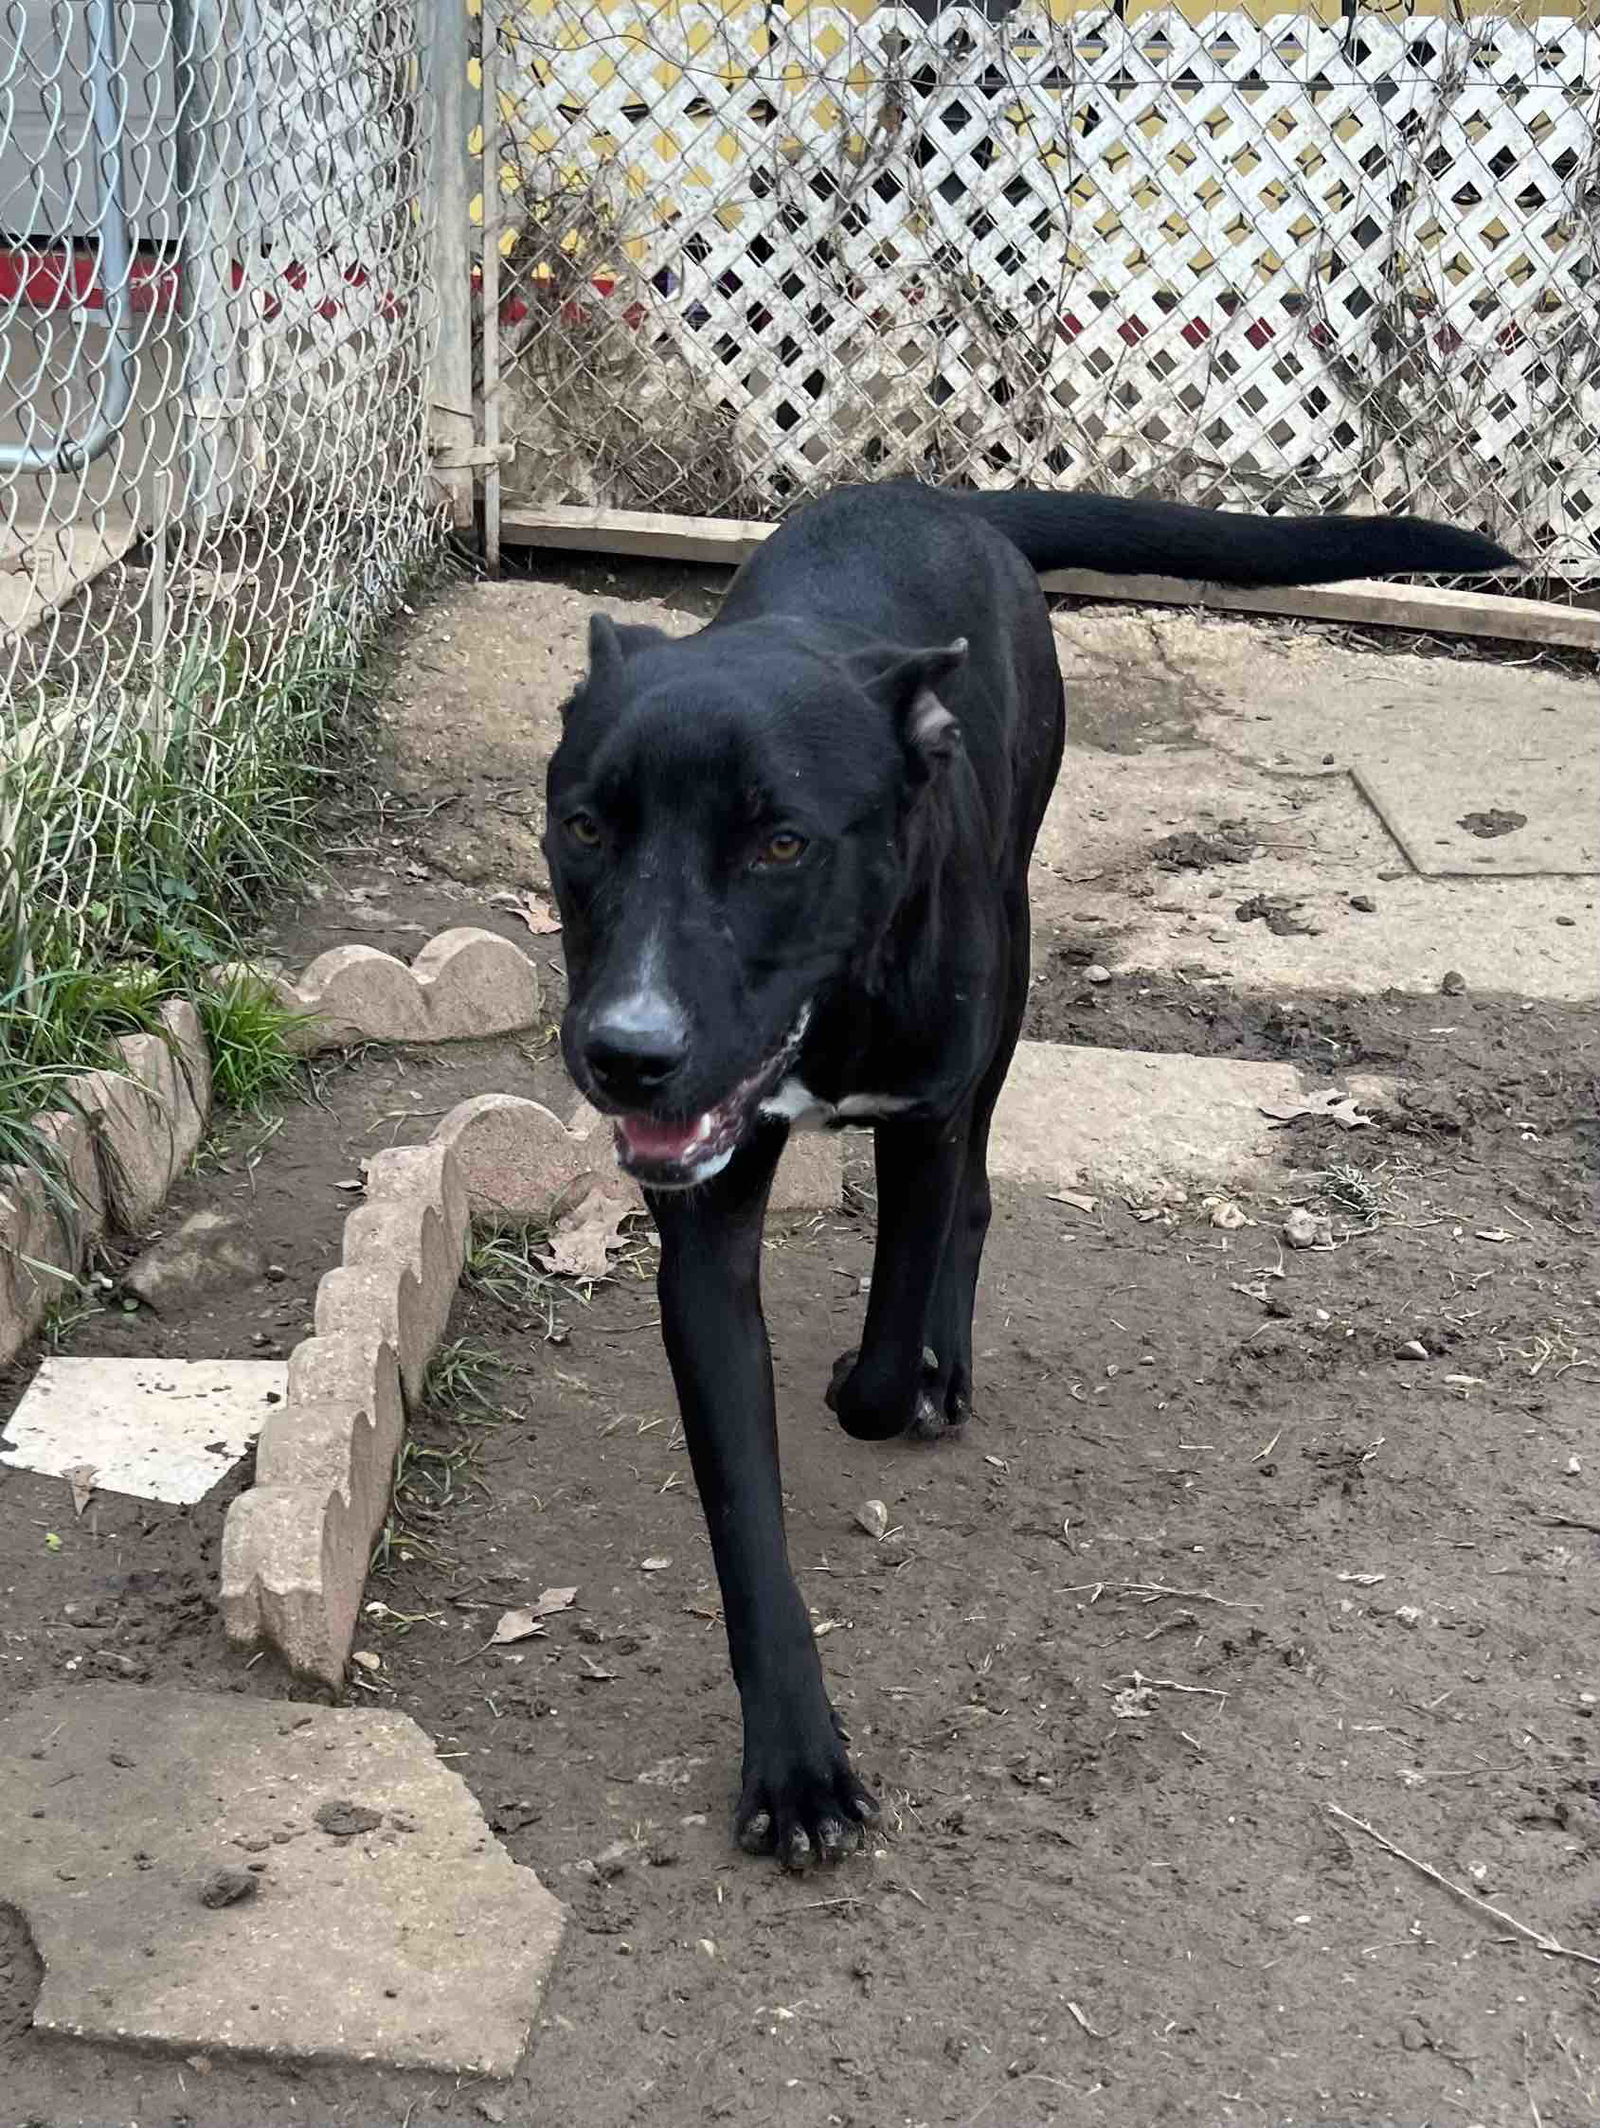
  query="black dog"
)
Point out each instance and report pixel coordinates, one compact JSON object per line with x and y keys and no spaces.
{"x":791,"y":855}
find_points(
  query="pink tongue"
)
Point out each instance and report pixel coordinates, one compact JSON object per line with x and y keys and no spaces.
{"x":648,"y":1140}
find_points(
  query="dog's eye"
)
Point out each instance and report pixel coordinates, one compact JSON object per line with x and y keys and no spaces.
{"x":584,"y":830}
{"x":784,"y":848}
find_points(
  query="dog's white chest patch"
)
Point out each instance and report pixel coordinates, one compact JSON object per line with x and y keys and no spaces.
{"x":795,"y":1104}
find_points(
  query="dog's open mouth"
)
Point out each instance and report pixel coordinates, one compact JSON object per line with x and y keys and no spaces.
{"x":674,"y":1154}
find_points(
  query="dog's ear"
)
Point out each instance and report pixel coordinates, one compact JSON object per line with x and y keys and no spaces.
{"x":610,"y":648}
{"x":906,"y":682}
{"x":606,"y":654}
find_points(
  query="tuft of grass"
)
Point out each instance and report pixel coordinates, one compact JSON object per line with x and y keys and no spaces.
{"x":143,"y":827}
{"x":433,"y":1477}
{"x":502,"y":1263}
{"x":77,"y":1305}
{"x":460,"y":1381}
{"x":248,"y":1030}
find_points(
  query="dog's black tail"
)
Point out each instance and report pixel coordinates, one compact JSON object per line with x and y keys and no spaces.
{"x":1128,"y":538}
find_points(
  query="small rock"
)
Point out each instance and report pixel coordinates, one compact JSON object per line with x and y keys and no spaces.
{"x":873,"y":1517}
{"x":1365,"y":903}
{"x":344,"y":1820}
{"x":1409,"y":1616}
{"x":1412,"y":1349}
{"x":490,"y":2109}
{"x":1094,"y":973}
{"x":1574,"y":1467}
{"x":1280,"y":1310}
{"x":613,"y":1860}
{"x":207,"y":1251}
{"x":1414,"y":2036}
{"x":1306,"y":1230}
{"x":1454,"y":983}
{"x":227,"y":1886}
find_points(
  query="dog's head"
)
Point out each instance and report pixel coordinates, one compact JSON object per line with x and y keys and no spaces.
{"x":726,"y":835}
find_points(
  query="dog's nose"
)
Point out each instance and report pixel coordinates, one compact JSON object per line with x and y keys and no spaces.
{"x":634,"y":1047}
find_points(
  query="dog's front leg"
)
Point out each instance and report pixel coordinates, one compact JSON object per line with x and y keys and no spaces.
{"x":799,"y":1798}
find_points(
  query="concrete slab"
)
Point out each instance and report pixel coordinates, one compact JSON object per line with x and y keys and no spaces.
{"x":389,"y":1925}
{"x":1316,"y":839}
{"x":1440,"y":820}
{"x":1432,"y":741}
{"x":1179,"y":721}
{"x":156,"y":1429}
{"x":1135,"y":1122}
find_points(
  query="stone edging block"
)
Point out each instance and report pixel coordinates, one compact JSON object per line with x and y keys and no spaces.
{"x":123,"y":1136}
{"x":464,"y":984}
{"x":295,"y":1547}
{"x":518,"y":1160}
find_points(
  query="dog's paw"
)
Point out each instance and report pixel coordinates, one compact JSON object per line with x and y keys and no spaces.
{"x":924,"y":1410}
{"x":801,"y":1802}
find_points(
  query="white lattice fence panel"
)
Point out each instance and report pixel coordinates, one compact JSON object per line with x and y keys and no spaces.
{"x":1281,"y":262}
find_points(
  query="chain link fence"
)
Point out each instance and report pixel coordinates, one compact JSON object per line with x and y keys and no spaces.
{"x":214,"y":337}
{"x":1335,"y":258}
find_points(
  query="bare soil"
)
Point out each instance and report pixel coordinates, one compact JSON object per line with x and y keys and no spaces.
{"x":1214,"y":1562}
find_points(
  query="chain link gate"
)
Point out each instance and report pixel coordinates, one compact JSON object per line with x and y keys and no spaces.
{"x":1322,"y":260}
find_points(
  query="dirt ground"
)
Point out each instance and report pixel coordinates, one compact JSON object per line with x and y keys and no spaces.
{"x":1216,"y":1562}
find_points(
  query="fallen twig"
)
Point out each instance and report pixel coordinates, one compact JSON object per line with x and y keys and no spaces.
{"x":806,"y":1906}
{"x":1536,"y":1937}
{"x":1141,"y":1683}
{"x":1151,"y":1591}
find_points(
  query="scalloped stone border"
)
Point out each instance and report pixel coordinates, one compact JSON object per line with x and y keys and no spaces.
{"x":464,"y":984}
{"x":124,"y":1136}
{"x":295,"y":1547}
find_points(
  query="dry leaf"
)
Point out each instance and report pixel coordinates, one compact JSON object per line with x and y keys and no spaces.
{"x":366,"y":1660}
{"x":1230,"y":1216}
{"x":1134,"y":1702}
{"x":553,"y":1600}
{"x":515,"y":1625}
{"x":1329,"y":1104}
{"x":80,"y":1476}
{"x":1076,"y":1198}
{"x":581,"y":1244}
{"x":1362,"y":1581}
{"x":654,"y":1566}
{"x":873,"y":1517}
{"x":536,"y":914}
{"x":593,"y":1671}
{"x":824,"y":1626}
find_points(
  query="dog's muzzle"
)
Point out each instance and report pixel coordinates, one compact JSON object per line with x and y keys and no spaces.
{"x":671,"y":1153}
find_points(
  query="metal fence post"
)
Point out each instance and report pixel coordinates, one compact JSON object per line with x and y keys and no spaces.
{"x":452,"y":428}
{"x":490,"y":291}
{"x":205,"y":296}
